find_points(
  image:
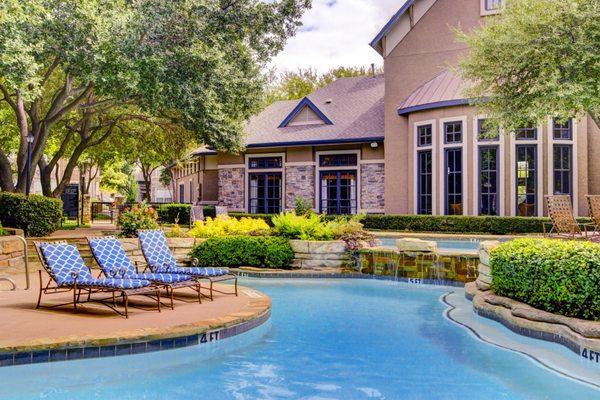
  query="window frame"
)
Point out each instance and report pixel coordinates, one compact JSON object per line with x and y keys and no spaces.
{"x":448,"y":175}
{"x":462,"y":132}
{"x":562,"y":129}
{"x":266,"y":208}
{"x":562,"y":170}
{"x":418,"y":139}
{"x":480,"y":171}
{"x":535,"y":172}
{"x":354,"y":202}
{"x":420,"y":194}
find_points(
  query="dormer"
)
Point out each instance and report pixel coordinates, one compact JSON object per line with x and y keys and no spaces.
{"x":305,"y":113}
{"x":491,"y":7}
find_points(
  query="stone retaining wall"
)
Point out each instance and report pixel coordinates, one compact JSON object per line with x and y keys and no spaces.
{"x":328,"y":256}
{"x":12,"y":255}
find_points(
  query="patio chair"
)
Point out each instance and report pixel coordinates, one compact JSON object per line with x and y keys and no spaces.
{"x":67,"y":272}
{"x":594,"y":206}
{"x":563,"y":224}
{"x":159,"y":259}
{"x":114,"y":263}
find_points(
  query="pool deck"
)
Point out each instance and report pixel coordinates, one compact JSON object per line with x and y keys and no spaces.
{"x":25,"y":329}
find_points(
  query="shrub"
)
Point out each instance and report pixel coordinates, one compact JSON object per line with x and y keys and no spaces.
{"x":560,"y":277}
{"x":136,"y":218}
{"x":172,"y":212}
{"x":222,"y":226}
{"x":2,"y":231}
{"x":304,"y":227}
{"x":176,"y":232}
{"x":36,"y":215}
{"x":456,"y":224}
{"x":302,"y":206}
{"x":236,"y":251}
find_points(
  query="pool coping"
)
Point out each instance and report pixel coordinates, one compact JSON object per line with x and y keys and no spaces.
{"x":456,"y":236}
{"x":279,"y":274}
{"x":254,"y":314}
{"x":550,"y":327}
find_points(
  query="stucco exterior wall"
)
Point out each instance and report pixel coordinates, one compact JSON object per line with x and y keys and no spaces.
{"x":426,"y":51}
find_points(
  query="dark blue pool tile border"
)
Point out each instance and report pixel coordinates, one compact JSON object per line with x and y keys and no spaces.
{"x":303,"y":275}
{"x":86,"y":352}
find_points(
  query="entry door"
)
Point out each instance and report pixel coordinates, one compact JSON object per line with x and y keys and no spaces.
{"x":454,"y":183}
{"x":264,"y":192}
{"x":338,"y":192}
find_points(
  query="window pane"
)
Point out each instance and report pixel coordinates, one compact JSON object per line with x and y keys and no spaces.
{"x":454,"y":204}
{"x":485,"y":133}
{"x":265,"y":162}
{"x":562,"y":169}
{"x":563,"y":130}
{"x":453,"y":132}
{"x":526,"y":134}
{"x":488,"y":181}
{"x":424,"y":135}
{"x":526,"y":180}
{"x":264,"y":192}
{"x":338,"y":160}
{"x":424,"y":182}
{"x":338,"y":192}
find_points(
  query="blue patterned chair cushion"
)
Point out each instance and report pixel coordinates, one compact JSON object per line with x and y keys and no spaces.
{"x":112,"y":283}
{"x":199,"y":271}
{"x":64,"y":261}
{"x":156,"y":250}
{"x":113,"y":260}
{"x":162,"y":278}
{"x":111,"y":257}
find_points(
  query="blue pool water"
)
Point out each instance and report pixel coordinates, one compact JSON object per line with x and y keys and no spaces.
{"x":327,"y":339}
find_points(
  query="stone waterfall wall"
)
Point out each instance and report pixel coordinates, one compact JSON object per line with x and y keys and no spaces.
{"x":484,"y":280}
{"x":231,"y":188}
{"x":328,"y":256}
{"x":372,"y":180}
{"x":299,"y":181}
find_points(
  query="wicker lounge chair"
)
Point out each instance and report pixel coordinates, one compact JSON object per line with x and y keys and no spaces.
{"x":594,"y":206}
{"x":159,"y":259}
{"x":114,"y":263}
{"x":563,"y":224}
{"x":67,"y":272}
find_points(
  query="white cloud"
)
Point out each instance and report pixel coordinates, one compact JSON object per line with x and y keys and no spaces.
{"x":335,"y":33}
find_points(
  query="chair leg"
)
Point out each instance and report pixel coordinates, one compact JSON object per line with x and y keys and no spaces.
{"x":199,"y":290}
{"x":126,"y":301}
{"x":211,"y":290}
{"x":236,"y":285}
{"x":41,"y":290}
{"x":171,"y":295}
{"x":158,"y":299}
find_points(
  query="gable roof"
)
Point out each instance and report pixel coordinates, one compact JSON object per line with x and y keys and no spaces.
{"x":445,"y":90}
{"x":376,"y":42}
{"x":305,"y":102}
{"x":353,"y":106}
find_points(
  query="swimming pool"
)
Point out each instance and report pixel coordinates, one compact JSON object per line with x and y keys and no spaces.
{"x":327,"y":339}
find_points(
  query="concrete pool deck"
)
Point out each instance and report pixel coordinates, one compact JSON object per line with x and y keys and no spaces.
{"x":29,"y":332}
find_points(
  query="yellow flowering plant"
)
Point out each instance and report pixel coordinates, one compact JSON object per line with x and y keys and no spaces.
{"x":226,"y":226}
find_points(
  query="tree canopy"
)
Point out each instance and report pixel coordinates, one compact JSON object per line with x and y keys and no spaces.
{"x":80,"y":68}
{"x":292,"y":85}
{"x":536,"y":59}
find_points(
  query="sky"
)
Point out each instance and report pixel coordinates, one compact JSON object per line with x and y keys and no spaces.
{"x":336,"y":33}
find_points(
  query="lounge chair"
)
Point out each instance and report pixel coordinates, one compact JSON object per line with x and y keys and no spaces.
{"x":159,"y":259}
{"x":196,"y":214}
{"x":114,"y":263}
{"x":67,"y":271}
{"x":563,"y":224}
{"x":594,"y":206}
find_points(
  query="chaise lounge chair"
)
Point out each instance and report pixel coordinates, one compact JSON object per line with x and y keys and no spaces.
{"x":114,"y":262}
{"x":160,"y":260}
{"x":563,"y":224}
{"x":66,"y":269}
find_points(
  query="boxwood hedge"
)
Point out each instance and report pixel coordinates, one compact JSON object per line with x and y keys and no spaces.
{"x":237,"y":251}
{"x":561,"y":277}
{"x":36,"y":215}
{"x":169,"y":212}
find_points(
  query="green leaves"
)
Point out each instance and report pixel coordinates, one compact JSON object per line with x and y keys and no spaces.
{"x":537,"y":59}
{"x":558,"y":276}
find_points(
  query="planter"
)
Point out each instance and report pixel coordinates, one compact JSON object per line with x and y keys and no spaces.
{"x":327,"y":256}
{"x":12,"y":255}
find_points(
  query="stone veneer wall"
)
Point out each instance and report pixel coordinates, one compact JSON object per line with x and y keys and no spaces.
{"x":12,"y":255}
{"x":299,"y":181}
{"x":231,"y":188}
{"x":372,"y":189}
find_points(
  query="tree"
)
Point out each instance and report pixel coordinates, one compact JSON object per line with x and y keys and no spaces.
{"x":298,"y":84}
{"x":537,"y":59}
{"x":196,"y":63}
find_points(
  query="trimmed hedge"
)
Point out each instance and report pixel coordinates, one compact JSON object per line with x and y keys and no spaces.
{"x":167,"y":213}
{"x":251,"y":251}
{"x":36,"y":215}
{"x":456,"y":224}
{"x":560,"y":277}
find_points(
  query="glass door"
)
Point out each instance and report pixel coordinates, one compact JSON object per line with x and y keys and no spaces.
{"x":454,"y":184}
{"x":338,"y":192}
{"x":264,"y":192}
{"x":526,"y":180}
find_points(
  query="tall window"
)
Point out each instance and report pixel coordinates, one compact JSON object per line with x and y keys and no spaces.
{"x":454,"y":184}
{"x":181,"y":193}
{"x":526,"y":180}
{"x":264,"y":186}
{"x":424,"y":135}
{"x":424,"y":182}
{"x":453,"y":132}
{"x":563,"y":130}
{"x":563,"y":162}
{"x":488,"y":180}
{"x":264,"y":192}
